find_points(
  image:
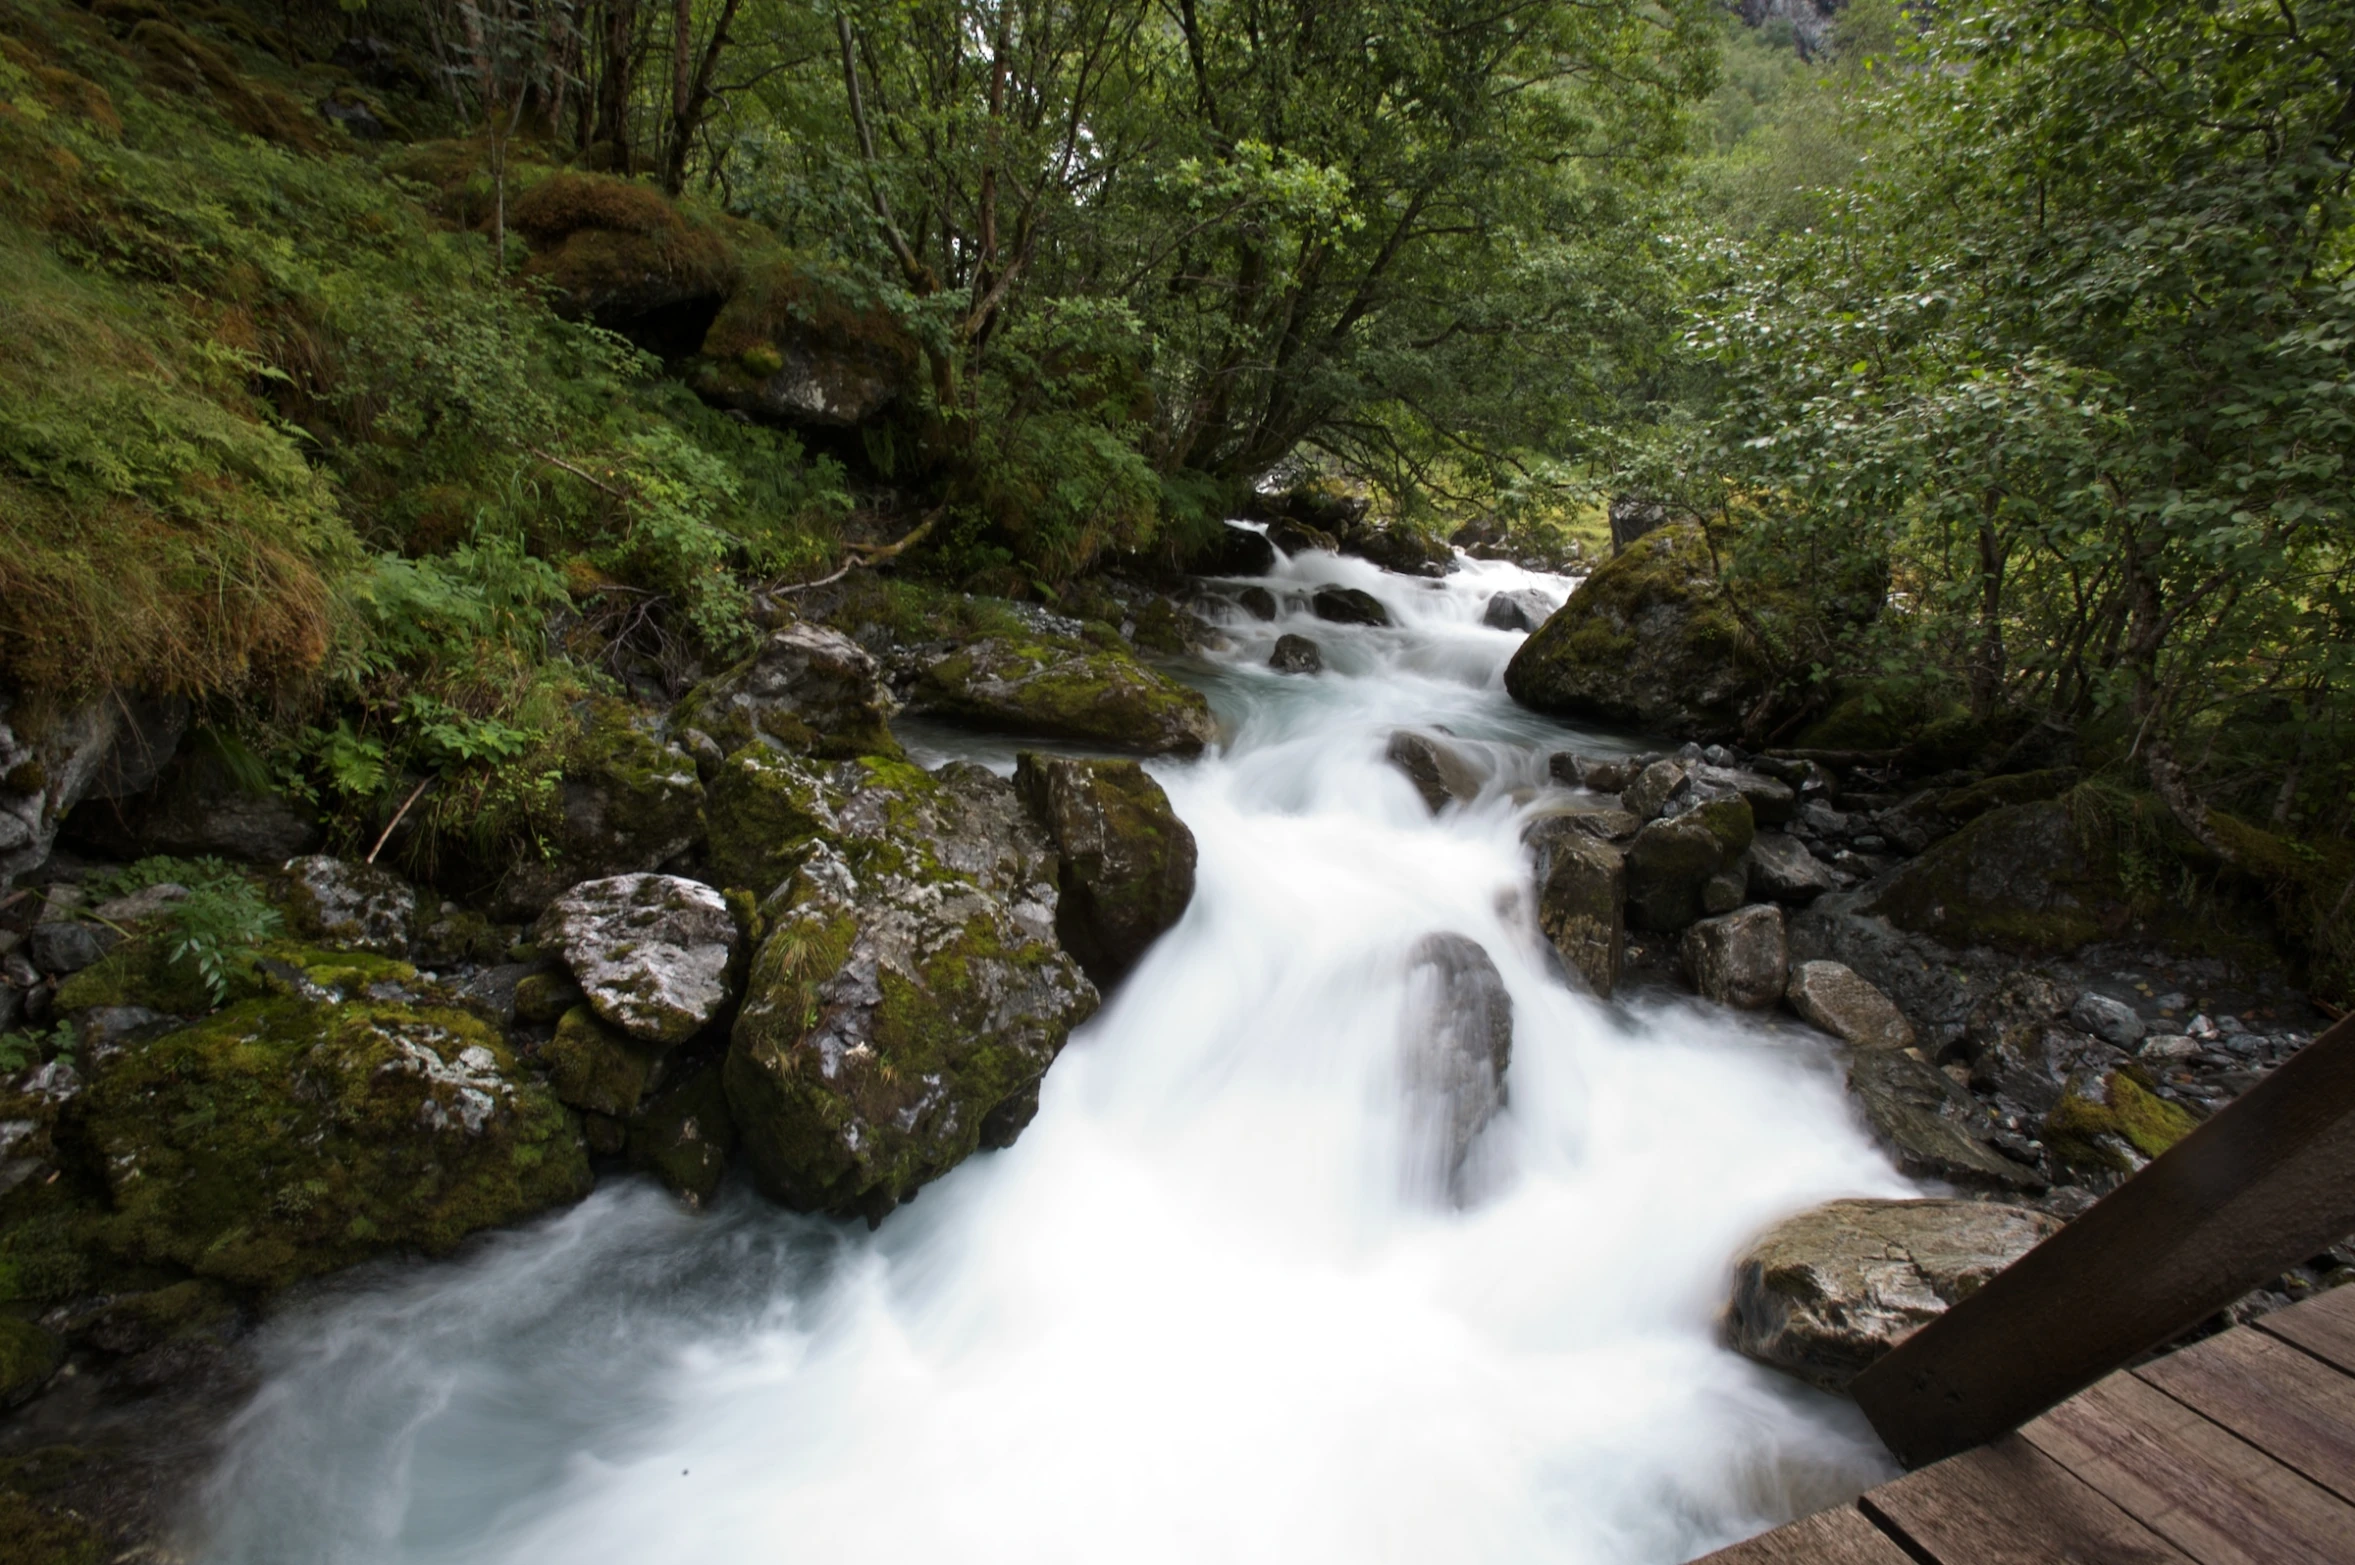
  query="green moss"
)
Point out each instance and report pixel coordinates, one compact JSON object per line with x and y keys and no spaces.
{"x":544,"y":996}
{"x":1057,"y":689}
{"x":279,"y":1140}
{"x":139,"y":972}
{"x":33,"y":1535}
{"x":28,"y":1357}
{"x":686,"y":1136}
{"x":2095,"y":1132}
{"x":597,"y":1069}
{"x":765,"y":811}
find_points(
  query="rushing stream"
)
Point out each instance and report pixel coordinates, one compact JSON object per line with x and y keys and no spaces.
{"x":1208,"y":1309}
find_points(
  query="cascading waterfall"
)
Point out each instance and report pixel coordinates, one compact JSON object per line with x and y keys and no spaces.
{"x":1215,"y":1305}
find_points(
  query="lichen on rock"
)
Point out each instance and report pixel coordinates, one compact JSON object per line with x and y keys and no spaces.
{"x":652,"y":953}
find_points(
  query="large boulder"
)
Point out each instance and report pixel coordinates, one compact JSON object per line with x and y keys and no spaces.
{"x":1581,"y":899}
{"x":632,"y":801}
{"x":1685,"y":868}
{"x":2019,"y":879}
{"x":281,"y":1139}
{"x":1057,"y":687}
{"x":360,"y":907}
{"x":1739,"y":959}
{"x":1929,"y":1125}
{"x":1830,"y":995}
{"x":1348,"y":606}
{"x":110,"y":746}
{"x":809,"y":688}
{"x":798,"y":346}
{"x":651,"y":953}
{"x":1824,"y":1294}
{"x":766,"y":809}
{"x":617,"y":252}
{"x":1648,"y":641}
{"x":1458,"y":1041}
{"x":1126,"y":862}
{"x":1235,"y":550}
{"x":910,"y":993}
{"x":1441,"y":773}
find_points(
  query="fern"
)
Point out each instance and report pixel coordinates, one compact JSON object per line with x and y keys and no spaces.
{"x":218,"y":924}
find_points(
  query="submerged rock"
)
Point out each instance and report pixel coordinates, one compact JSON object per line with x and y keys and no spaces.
{"x":1296,"y":655}
{"x":909,"y":995}
{"x":1257,"y":602}
{"x":651,"y":952}
{"x":1440,"y":772}
{"x":1826,"y":1293}
{"x":1739,"y":959}
{"x":1647,"y":641}
{"x":1831,"y":996}
{"x":1458,"y":1043}
{"x":1582,"y":899}
{"x":1348,"y":606}
{"x":279,"y":1140}
{"x":1126,"y":860}
{"x":1236,"y":551}
{"x":1525,"y":609}
{"x":1063,"y":688}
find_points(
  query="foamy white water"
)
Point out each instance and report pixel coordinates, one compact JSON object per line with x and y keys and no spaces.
{"x":1206,"y":1309}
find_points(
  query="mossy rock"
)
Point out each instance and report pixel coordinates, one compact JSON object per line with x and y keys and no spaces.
{"x":31,"y":1534}
{"x":686,"y":1136}
{"x":809,"y":689}
{"x":596,"y":1068}
{"x":631,"y":802}
{"x":766,"y":811}
{"x":1995,"y":793}
{"x":615,"y":251}
{"x":280,"y":1139}
{"x":1649,"y":641}
{"x":1054,"y":687}
{"x":28,"y":1357}
{"x":1127,"y":861}
{"x":908,"y":996}
{"x":142,"y":972}
{"x":2019,"y":878}
{"x":2112,"y":1120}
{"x":801,"y":343}
{"x":1672,"y":861}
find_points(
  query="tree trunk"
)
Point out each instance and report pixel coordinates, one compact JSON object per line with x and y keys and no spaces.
{"x":618,"y":46}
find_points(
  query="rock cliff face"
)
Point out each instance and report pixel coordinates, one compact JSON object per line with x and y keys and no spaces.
{"x":1646,"y":641}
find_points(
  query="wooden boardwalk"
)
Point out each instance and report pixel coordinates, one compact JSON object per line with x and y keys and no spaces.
{"x":2238,"y":1450}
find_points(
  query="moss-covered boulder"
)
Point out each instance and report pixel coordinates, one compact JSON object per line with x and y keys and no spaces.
{"x":598,"y":1069}
{"x":2020,"y":878}
{"x":767,"y":810}
{"x":809,"y":689}
{"x":1581,"y":898}
{"x":632,"y":801}
{"x":1648,"y":640}
{"x":278,"y":1140}
{"x":686,"y":1135}
{"x":342,"y":902}
{"x":621,"y":254}
{"x":1036,"y":682}
{"x":909,"y":995}
{"x":2111,"y":1121}
{"x":1678,"y":868}
{"x":799,"y":344}
{"x":28,"y":1357}
{"x":1126,"y":860}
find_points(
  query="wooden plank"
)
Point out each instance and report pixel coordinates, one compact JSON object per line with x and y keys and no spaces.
{"x":1841,"y":1537}
{"x":2010,"y":1504}
{"x":2323,"y":1325}
{"x":2296,"y":1410}
{"x":2211,"y":1494}
{"x":2264,"y":1184}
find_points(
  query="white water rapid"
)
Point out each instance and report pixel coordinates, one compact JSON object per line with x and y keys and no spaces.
{"x":1204,"y":1310}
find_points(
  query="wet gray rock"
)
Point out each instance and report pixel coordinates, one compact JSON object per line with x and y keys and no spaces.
{"x":1236,"y":551}
{"x":1582,"y":899}
{"x":1348,"y":606}
{"x":1458,"y":1037}
{"x":1825,"y":1294}
{"x":909,"y":996}
{"x":1934,"y":986}
{"x":651,"y":952}
{"x":1772,"y":802}
{"x":2114,"y":1022}
{"x":1830,"y":995}
{"x":1126,"y":862}
{"x":808,"y":688}
{"x":1740,"y":959}
{"x":60,"y":946}
{"x":1782,"y":870}
{"x":1441,"y":773}
{"x":1930,"y":1127}
{"x":1296,"y":655}
{"x":359,"y":907}
{"x":1257,"y":602}
{"x":1671,"y":863}
{"x":110,"y":746}
{"x":1525,"y":609}
{"x":1648,"y":795}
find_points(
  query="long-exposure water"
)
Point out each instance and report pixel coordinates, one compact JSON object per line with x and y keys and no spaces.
{"x":1207,"y":1309}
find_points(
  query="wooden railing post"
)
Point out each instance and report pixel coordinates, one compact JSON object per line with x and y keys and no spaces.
{"x":2268,"y":1182}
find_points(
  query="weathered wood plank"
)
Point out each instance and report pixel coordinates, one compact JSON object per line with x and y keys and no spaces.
{"x":1841,"y":1537}
{"x":2296,"y":1410}
{"x":2265,"y":1183}
{"x":2323,"y":1325}
{"x":2211,"y":1494}
{"x":2010,"y":1504}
